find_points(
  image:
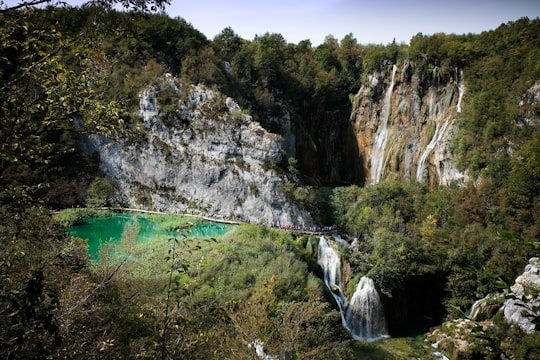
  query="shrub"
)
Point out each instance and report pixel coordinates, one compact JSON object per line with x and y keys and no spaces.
{"x":100,"y":192}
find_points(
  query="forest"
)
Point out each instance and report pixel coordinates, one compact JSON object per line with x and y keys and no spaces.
{"x":66,"y":72}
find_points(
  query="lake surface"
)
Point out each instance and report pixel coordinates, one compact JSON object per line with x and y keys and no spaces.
{"x":99,"y":231}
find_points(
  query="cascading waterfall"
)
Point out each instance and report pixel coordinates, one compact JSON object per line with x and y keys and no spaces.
{"x":461,"y":89}
{"x":475,"y":308}
{"x":377,"y":154}
{"x":434,"y":114}
{"x":258,"y":345}
{"x":330,"y":262}
{"x":363,"y":316}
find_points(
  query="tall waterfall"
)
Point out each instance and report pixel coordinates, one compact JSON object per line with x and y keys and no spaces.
{"x":330,"y":262}
{"x":435,"y":112}
{"x":439,"y":132}
{"x":363,"y":316}
{"x":461,"y":89}
{"x":377,"y":153}
{"x":440,"y":128}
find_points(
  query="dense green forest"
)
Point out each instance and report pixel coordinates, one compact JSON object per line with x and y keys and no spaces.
{"x":66,"y":72}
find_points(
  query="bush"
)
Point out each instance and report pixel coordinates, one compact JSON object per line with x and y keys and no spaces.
{"x":100,"y":192}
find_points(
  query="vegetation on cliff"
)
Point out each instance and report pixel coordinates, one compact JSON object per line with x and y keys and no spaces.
{"x":70,"y":71}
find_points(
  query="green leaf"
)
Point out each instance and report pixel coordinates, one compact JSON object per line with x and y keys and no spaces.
{"x":477,"y":329}
{"x":501,"y":284}
{"x":8,"y":157}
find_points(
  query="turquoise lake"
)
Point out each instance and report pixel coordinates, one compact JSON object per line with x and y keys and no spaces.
{"x":99,"y":231}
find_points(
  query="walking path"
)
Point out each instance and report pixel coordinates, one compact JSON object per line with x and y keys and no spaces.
{"x":311,"y":230}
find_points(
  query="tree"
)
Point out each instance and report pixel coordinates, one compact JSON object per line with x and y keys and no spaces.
{"x":227,"y":43}
{"x":269,"y":57}
{"x":43,"y":96}
{"x":100,"y":192}
{"x":287,"y":329}
{"x":48,"y":82}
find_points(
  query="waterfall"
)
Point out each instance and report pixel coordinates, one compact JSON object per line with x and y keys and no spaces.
{"x":437,"y":136}
{"x":476,"y":307}
{"x":363,"y":316}
{"x":330,"y":262}
{"x":434,"y":112}
{"x":461,"y":88}
{"x":258,"y":345}
{"x":377,"y":154}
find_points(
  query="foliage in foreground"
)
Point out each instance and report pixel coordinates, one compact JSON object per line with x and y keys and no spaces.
{"x":210,"y":299}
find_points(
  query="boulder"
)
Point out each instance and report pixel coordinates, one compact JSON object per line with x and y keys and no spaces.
{"x":522,"y":306}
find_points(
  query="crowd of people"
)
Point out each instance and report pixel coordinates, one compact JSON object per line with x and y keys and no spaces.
{"x":237,"y":220}
{"x":314,"y":229}
{"x":311,"y":229}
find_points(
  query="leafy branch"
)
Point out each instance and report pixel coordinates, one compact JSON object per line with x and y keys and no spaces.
{"x":176,"y":266}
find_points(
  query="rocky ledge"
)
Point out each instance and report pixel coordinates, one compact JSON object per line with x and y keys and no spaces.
{"x":199,"y":151}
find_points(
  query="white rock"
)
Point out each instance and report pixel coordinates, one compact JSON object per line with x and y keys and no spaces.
{"x":219,"y":165}
{"x":526,"y":290}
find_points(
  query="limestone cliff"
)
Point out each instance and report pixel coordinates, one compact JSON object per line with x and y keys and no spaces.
{"x":404,"y":119}
{"x":520,"y":304}
{"x":523,"y":306}
{"x":199,"y":151}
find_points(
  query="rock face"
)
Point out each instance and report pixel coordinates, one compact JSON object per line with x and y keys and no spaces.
{"x":520,"y":305}
{"x":325,"y":143}
{"x":459,"y":338}
{"x":199,"y":151}
{"x":414,"y":112}
{"x":523,"y":306}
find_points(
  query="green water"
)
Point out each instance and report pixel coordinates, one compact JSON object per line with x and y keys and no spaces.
{"x":100,"y":231}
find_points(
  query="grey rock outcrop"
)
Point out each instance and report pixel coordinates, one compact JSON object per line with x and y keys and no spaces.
{"x":520,"y":303}
{"x":523,"y":305}
{"x":204,"y":154}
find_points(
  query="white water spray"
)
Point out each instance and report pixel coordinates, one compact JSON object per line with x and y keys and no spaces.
{"x":461,"y":89}
{"x":437,"y":136}
{"x":377,"y":153}
{"x":435,"y":114}
{"x":258,"y":345}
{"x":363,"y":316}
{"x":330,"y":262}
